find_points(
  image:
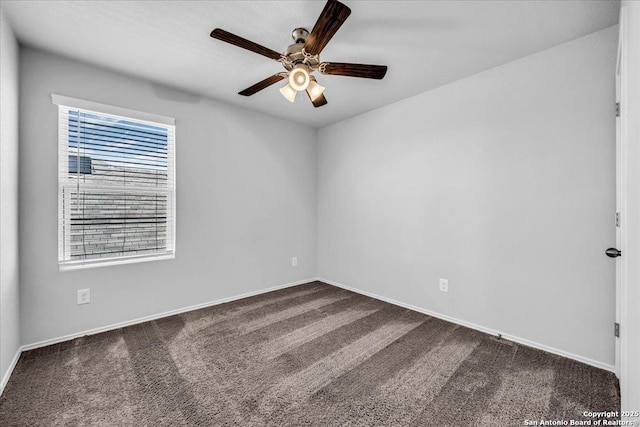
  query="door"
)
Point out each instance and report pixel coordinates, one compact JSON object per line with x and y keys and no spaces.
{"x":620,"y":218}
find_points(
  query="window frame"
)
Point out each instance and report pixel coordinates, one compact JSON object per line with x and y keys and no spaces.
{"x":65,"y":102}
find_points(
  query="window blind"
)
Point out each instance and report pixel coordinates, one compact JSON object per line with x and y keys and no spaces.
{"x":116,"y":187}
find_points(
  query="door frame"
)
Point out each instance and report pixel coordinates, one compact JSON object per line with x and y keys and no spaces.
{"x":621,"y":203}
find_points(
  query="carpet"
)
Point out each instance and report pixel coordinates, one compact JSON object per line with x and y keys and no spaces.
{"x":309,"y":355}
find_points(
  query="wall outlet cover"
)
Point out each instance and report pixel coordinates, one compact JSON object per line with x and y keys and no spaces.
{"x":444,"y":285}
{"x":84,"y":296}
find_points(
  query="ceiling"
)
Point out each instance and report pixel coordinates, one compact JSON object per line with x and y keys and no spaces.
{"x":426,"y":44}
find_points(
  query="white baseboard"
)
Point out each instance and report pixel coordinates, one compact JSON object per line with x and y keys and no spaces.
{"x":12,"y":366}
{"x":476,"y":327}
{"x":44,"y":343}
{"x":113,"y":326}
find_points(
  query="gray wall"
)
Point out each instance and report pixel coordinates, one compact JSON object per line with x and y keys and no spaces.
{"x":246,"y":203}
{"x":503,"y":183}
{"x":9,"y":292}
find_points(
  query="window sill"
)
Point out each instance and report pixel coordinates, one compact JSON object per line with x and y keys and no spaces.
{"x":79,"y":265}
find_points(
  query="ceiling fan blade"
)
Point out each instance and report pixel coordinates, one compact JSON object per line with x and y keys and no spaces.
{"x":353,"y":70}
{"x":263,"y":84}
{"x":319,"y":102}
{"x":329,"y":22}
{"x":228,"y":37}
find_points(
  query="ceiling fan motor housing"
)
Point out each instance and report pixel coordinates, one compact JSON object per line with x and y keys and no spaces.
{"x":294,"y":52}
{"x":300,"y":35}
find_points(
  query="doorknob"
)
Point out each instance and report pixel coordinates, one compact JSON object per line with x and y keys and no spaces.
{"x":613,"y":252}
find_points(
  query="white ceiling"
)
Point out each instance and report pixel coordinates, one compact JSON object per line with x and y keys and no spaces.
{"x":426,"y":44}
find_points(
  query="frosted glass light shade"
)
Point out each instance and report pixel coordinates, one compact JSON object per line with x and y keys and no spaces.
{"x":314,"y":90}
{"x":299,"y":78}
{"x":288,"y":92}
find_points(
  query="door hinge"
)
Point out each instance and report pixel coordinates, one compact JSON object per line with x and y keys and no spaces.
{"x":617,"y":219}
{"x":616,"y":330}
{"x":617,"y":109}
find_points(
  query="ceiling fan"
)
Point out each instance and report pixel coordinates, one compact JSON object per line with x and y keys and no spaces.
{"x":302,"y":58}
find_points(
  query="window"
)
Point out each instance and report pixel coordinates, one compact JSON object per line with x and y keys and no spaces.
{"x":116,"y":184}
{"x":79,"y":164}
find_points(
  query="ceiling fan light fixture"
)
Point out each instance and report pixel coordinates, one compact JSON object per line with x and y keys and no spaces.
{"x":315,"y":90}
{"x":302,"y":58}
{"x":299,"y":78}
{"x":288,"y":92}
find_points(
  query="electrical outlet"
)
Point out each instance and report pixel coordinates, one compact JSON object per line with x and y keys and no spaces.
{"x":294,"y":261}
{"x":444,"y":285}
{"x":84,"y":296}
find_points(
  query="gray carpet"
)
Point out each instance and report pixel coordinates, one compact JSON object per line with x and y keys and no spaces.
{"x":308,"y":355}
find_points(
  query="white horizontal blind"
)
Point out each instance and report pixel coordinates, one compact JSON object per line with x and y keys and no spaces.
{"x":116,"y":188}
